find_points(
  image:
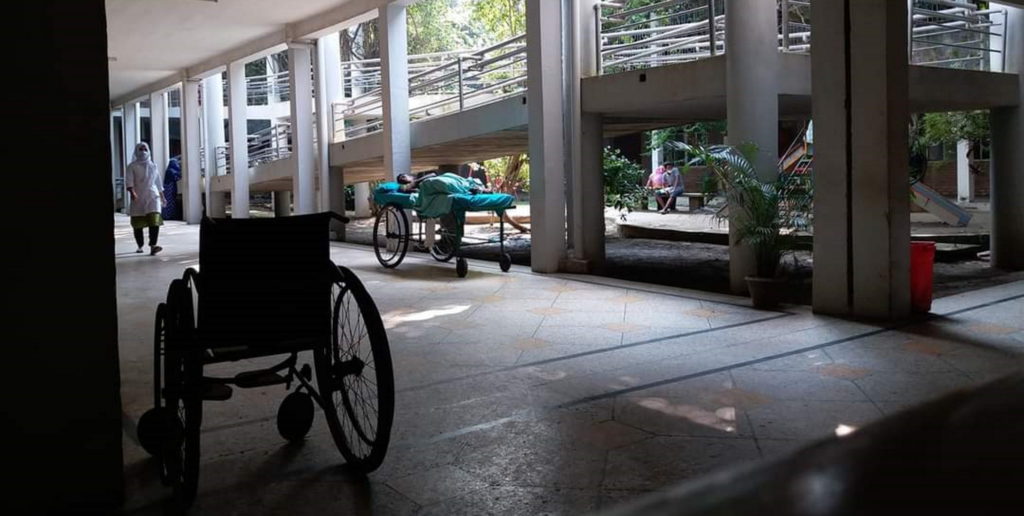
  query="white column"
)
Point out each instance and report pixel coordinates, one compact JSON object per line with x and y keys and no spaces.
{"x":190,"y":163}
{"x":394,"y":64}
{"x":282,"y":203}
{"x":362,"y":199}
{"x":117,"y":160}
{"x":213,"y":104}
{"x":158,"y":124}
{"x":1007,"y":173}
{"x":130,"y":125}
{"x":861,"y":209}
{"x":303,"y":152}
{"x":964,"y":181}
{"x":752,"y":105}
{"x":328,"y":87}
{"x":238,"y":121}
{"x":546,"y":96}
{"x":130,"y":135}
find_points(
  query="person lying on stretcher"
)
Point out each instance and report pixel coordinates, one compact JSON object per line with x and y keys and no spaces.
{"x":446,"y":183}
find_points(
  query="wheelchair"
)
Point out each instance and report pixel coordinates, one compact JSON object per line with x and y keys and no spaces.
{"x":267,"y":287}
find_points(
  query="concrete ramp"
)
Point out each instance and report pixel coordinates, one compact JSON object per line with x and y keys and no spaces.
{"x":934,"y":203}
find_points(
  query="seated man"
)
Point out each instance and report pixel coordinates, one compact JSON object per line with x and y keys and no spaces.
{"x":673,"y":187}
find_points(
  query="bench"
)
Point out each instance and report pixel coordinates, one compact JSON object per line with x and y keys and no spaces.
{"x":696,"y":200}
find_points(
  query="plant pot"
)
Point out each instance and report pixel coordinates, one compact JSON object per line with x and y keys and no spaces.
{"x":765,"y":293}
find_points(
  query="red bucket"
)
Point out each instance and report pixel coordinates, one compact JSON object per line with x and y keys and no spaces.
{"x":922,"y":259}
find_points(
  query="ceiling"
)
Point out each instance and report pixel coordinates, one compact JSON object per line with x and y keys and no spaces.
{"x":150,"y":40}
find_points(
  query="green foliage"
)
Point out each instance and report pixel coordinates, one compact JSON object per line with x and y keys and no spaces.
{"x":510,"y":174}
{"x":768,"y":211}
{"x":436,"y":26}
{"x":499,"y":19}
{"x":623,"y":183}
{"x":949,"y":128}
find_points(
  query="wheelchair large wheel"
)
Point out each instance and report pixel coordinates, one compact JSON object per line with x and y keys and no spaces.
{"x":391,"y":234}
{"x":183,"y":370}
{"x":444,"y":245}
{"x":355,"y":378}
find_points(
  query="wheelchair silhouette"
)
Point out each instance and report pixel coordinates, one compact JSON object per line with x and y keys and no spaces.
{"x":267,"y":287}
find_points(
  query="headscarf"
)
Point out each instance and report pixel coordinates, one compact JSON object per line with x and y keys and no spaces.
{"x":141,"y":153}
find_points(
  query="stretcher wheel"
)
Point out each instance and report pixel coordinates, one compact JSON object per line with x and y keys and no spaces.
{"x":354,"y":376}
{"x":505,"y":262}
{"x":461,"y":267}
{"x":391,"y":236}
{"x":295,"y":416}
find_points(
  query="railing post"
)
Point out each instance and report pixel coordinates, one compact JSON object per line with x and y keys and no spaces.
{"x":462,"y":100}
{"x":910,"y":31}
{"x":600,"y":40}
{"x":785,"y":25}
{"x":712,"y":31}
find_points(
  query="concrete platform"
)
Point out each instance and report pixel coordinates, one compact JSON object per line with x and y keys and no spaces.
{"x":522,"y":394}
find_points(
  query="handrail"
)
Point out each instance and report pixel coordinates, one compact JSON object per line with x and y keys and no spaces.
{"x":439,"y":84}
{"x":953,"y":34}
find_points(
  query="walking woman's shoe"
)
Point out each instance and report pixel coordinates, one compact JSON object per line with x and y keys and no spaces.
{"x":139,"y":250}
{"x":155,"y":249}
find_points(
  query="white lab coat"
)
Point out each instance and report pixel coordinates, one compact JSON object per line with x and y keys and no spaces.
{"x":147,"y":180}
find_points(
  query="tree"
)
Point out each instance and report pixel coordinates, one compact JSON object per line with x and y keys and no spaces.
{"x":500,"y":19}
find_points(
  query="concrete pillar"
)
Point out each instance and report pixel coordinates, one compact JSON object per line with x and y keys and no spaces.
{"x":282,"y":203}
{"x":328,"y":88}
{"x":1007,"y":172}
{"x":752,"y":105}
{"x":336,"y":199}
{"x":158,"y":130}
{"x":548,"y":151}
{"x":585,"y":194}
{"x":964,"y":181}
{"x":131,"y":130}
{"x":213,"y":106}
{"x":861,"y":210}
{"x":362,"y":199}
{"x":394,"y":62}
{"x":116,"y":160}
{"x":191,"y":161}
{"x":238,"y":121}
{"x":590,"y":194}
{"x":303,"y":151}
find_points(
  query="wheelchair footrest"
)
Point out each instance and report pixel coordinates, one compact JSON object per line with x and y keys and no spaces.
{"x":214,"y":391}
{"x":261,"y":378}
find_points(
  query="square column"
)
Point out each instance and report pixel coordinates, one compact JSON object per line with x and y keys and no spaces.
{"x":303,"y":152}
{"x":328,"y":86}
{"x":1007,"y":173}
{"x":158,"y":124}
{"x":964,"y":181}
{"x":548,"y":152}
{"x":752,"y":104}
{"x":238,"y":122}
{"x":130,"y":133}
{"x":394,"y":64}
{"x":861,"y":210}
{"x":213,"y":105}
{"x":191,"y":161}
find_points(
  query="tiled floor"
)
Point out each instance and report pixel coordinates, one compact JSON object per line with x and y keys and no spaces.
{"x":525,"y":394}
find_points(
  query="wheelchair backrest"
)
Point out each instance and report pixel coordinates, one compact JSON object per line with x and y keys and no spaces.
{"x":264,"y":282}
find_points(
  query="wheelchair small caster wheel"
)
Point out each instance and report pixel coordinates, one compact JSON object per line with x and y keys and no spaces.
{"x":159,"y":429}
{"x":295,"y":416}
{"x":461,"y":267}
{"x":505,"y":262}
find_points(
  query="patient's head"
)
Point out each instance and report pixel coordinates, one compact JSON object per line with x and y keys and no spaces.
{"x":404,"y":179}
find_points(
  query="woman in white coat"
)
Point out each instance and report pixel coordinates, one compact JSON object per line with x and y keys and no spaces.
{"x":145,"y":186}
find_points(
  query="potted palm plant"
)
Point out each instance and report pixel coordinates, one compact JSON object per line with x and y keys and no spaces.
{"x":767,"y":212}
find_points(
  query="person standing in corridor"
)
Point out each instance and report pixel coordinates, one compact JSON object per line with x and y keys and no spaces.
{"x":145,"y":186}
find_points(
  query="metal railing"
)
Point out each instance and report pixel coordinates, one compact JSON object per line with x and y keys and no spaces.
{"x":270,"y":144}
{"x":439,"y":84}
{"x":663,"y":33}
{"x":795,"y":26}
{"x":956,"y":34}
